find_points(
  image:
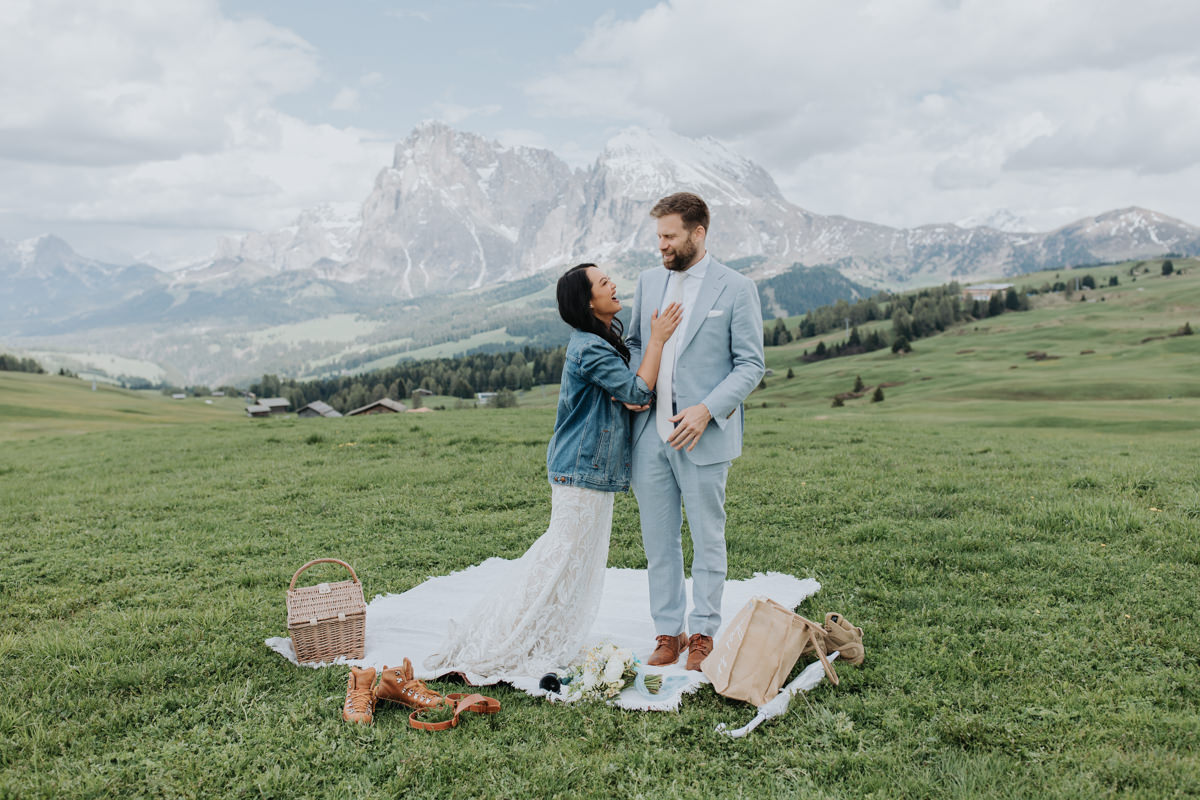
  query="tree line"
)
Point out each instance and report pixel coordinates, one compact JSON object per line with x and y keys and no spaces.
{"x":460,"y":377}
{"x":914,"y":315}
{"x":11,"y":363}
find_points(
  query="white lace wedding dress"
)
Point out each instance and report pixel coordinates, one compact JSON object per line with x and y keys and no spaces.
{"x":535,"y":618}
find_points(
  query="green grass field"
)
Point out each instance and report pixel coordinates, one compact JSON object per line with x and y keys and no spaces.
{"x":33,"y":406}
{"x":1020,"y":546}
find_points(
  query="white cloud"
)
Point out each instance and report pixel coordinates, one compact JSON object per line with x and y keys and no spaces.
{"x":160,"y":119}
{"x":523,"y":137}
{"x":402,"y":13}
{"x":900,"y":111}
{"x":453,"y":113}
{"x":345,"y":100}
{"x":117,"y":84}
{"x":271,"y":171}
{"x":1149,"y":123}
{"x":349,"y":98}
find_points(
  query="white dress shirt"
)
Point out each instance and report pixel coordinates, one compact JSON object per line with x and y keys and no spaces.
{"x":691,"y":290}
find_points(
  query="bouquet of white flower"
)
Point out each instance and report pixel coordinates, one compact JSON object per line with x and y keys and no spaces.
{"x":604,"y":672}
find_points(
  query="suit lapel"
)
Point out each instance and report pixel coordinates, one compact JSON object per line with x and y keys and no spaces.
{"x":710,"y":290}
{"x":655,"y":285}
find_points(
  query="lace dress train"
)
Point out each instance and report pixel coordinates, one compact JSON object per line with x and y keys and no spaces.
{"x":536,"y":617}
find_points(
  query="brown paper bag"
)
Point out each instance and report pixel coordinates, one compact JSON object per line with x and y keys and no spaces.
{"x":753,"y":656}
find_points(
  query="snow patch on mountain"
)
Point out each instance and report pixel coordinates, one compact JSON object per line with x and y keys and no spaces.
{"x":1001,"y":219}
{"x":646,"y":163}
{"x":26,"y":249}
{"x":325,"y":232}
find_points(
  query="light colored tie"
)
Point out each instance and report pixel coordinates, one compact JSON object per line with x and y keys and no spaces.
{"x":666,"y":366}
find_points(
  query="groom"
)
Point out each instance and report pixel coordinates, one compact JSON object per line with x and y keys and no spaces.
{"x":683,"y":446}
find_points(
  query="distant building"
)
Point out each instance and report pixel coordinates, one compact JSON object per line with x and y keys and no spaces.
{"x":485,"y":398}
{"x":178,"y":396}
{"x":382,"y":406}
{"x":218,"y":394}
{"x":258,"y":411}
{"x":278,"y":405}
{"x":318,"y":409}
{"x":422,"y":393}
{"x":983,"y":292}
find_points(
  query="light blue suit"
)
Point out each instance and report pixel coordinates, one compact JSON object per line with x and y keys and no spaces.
{"x":719,"y":362}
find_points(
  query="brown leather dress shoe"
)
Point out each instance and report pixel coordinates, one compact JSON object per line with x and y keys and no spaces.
{"x":668,"y":650}
{"x":699,"y":646}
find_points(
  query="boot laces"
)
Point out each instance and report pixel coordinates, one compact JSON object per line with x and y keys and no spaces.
{"x":358,"y":700}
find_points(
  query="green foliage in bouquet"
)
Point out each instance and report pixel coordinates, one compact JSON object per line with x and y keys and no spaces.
{"x":604,"y":672}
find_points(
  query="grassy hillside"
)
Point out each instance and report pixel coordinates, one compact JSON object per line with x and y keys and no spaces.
{"x":1126,"y":328}
{"x":1019,"y":546}
{"x":36,"y":405}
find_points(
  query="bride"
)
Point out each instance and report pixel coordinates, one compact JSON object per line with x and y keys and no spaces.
{"x":536,"y":617}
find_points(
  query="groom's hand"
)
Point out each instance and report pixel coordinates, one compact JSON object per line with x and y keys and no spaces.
{"x":690,"y":425}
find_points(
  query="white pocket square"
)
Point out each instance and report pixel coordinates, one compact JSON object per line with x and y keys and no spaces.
{"x":716,"y":312}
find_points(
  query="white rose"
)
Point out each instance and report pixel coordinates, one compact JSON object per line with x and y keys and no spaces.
{"x":614,"y":669}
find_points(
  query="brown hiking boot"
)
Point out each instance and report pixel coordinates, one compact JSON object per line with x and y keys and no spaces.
{"x":699,"y":646}
{"x":840,"y":635}
{"x":360,"y":700}
{"x":668,"y":650}
{"x":398,"y":685}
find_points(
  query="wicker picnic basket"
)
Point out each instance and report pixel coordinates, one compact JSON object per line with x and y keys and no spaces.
{"x":327,"y":620}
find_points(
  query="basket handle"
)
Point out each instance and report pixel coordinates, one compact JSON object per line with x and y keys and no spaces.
{"x":353,"y":574}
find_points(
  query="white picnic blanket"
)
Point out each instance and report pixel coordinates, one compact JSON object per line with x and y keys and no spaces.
{"x":410,"y":625}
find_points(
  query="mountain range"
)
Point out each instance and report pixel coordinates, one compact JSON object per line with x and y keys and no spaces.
{"x":455,"y":216}
{"x":457,"y":211}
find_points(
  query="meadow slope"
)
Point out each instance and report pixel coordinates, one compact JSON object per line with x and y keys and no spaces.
{"x":1019,"y":545}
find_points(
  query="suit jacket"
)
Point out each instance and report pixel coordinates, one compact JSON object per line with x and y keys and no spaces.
{"x":720,"y":357}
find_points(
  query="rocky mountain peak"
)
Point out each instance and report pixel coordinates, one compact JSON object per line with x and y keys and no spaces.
{"x":650,"y":164}
{"x":1132,"y":232}
{"x":48,"y":255}
{"x":46,"y":250}
{"x":323,"y":233}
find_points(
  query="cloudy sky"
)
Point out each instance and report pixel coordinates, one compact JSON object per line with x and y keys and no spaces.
{"x":151,"y":128}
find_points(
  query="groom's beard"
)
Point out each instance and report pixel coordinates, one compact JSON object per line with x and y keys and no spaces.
{"x":685,"y":254}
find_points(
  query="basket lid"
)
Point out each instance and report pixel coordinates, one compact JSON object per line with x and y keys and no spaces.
{"x":325,"y":601}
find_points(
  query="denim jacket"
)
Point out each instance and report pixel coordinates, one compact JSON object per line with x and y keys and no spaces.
{"x":591,"y":444}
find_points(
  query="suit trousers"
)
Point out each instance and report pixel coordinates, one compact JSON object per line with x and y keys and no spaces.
{"x":663,"y":479}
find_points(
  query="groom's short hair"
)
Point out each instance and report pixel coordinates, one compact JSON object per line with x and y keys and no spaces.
{"x":690,"y":208}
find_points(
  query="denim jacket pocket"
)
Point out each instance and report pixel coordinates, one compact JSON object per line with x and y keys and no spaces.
{"x":600,"y":457}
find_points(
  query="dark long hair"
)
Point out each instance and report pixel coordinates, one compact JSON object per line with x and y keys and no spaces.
{"x":574,"y":306}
